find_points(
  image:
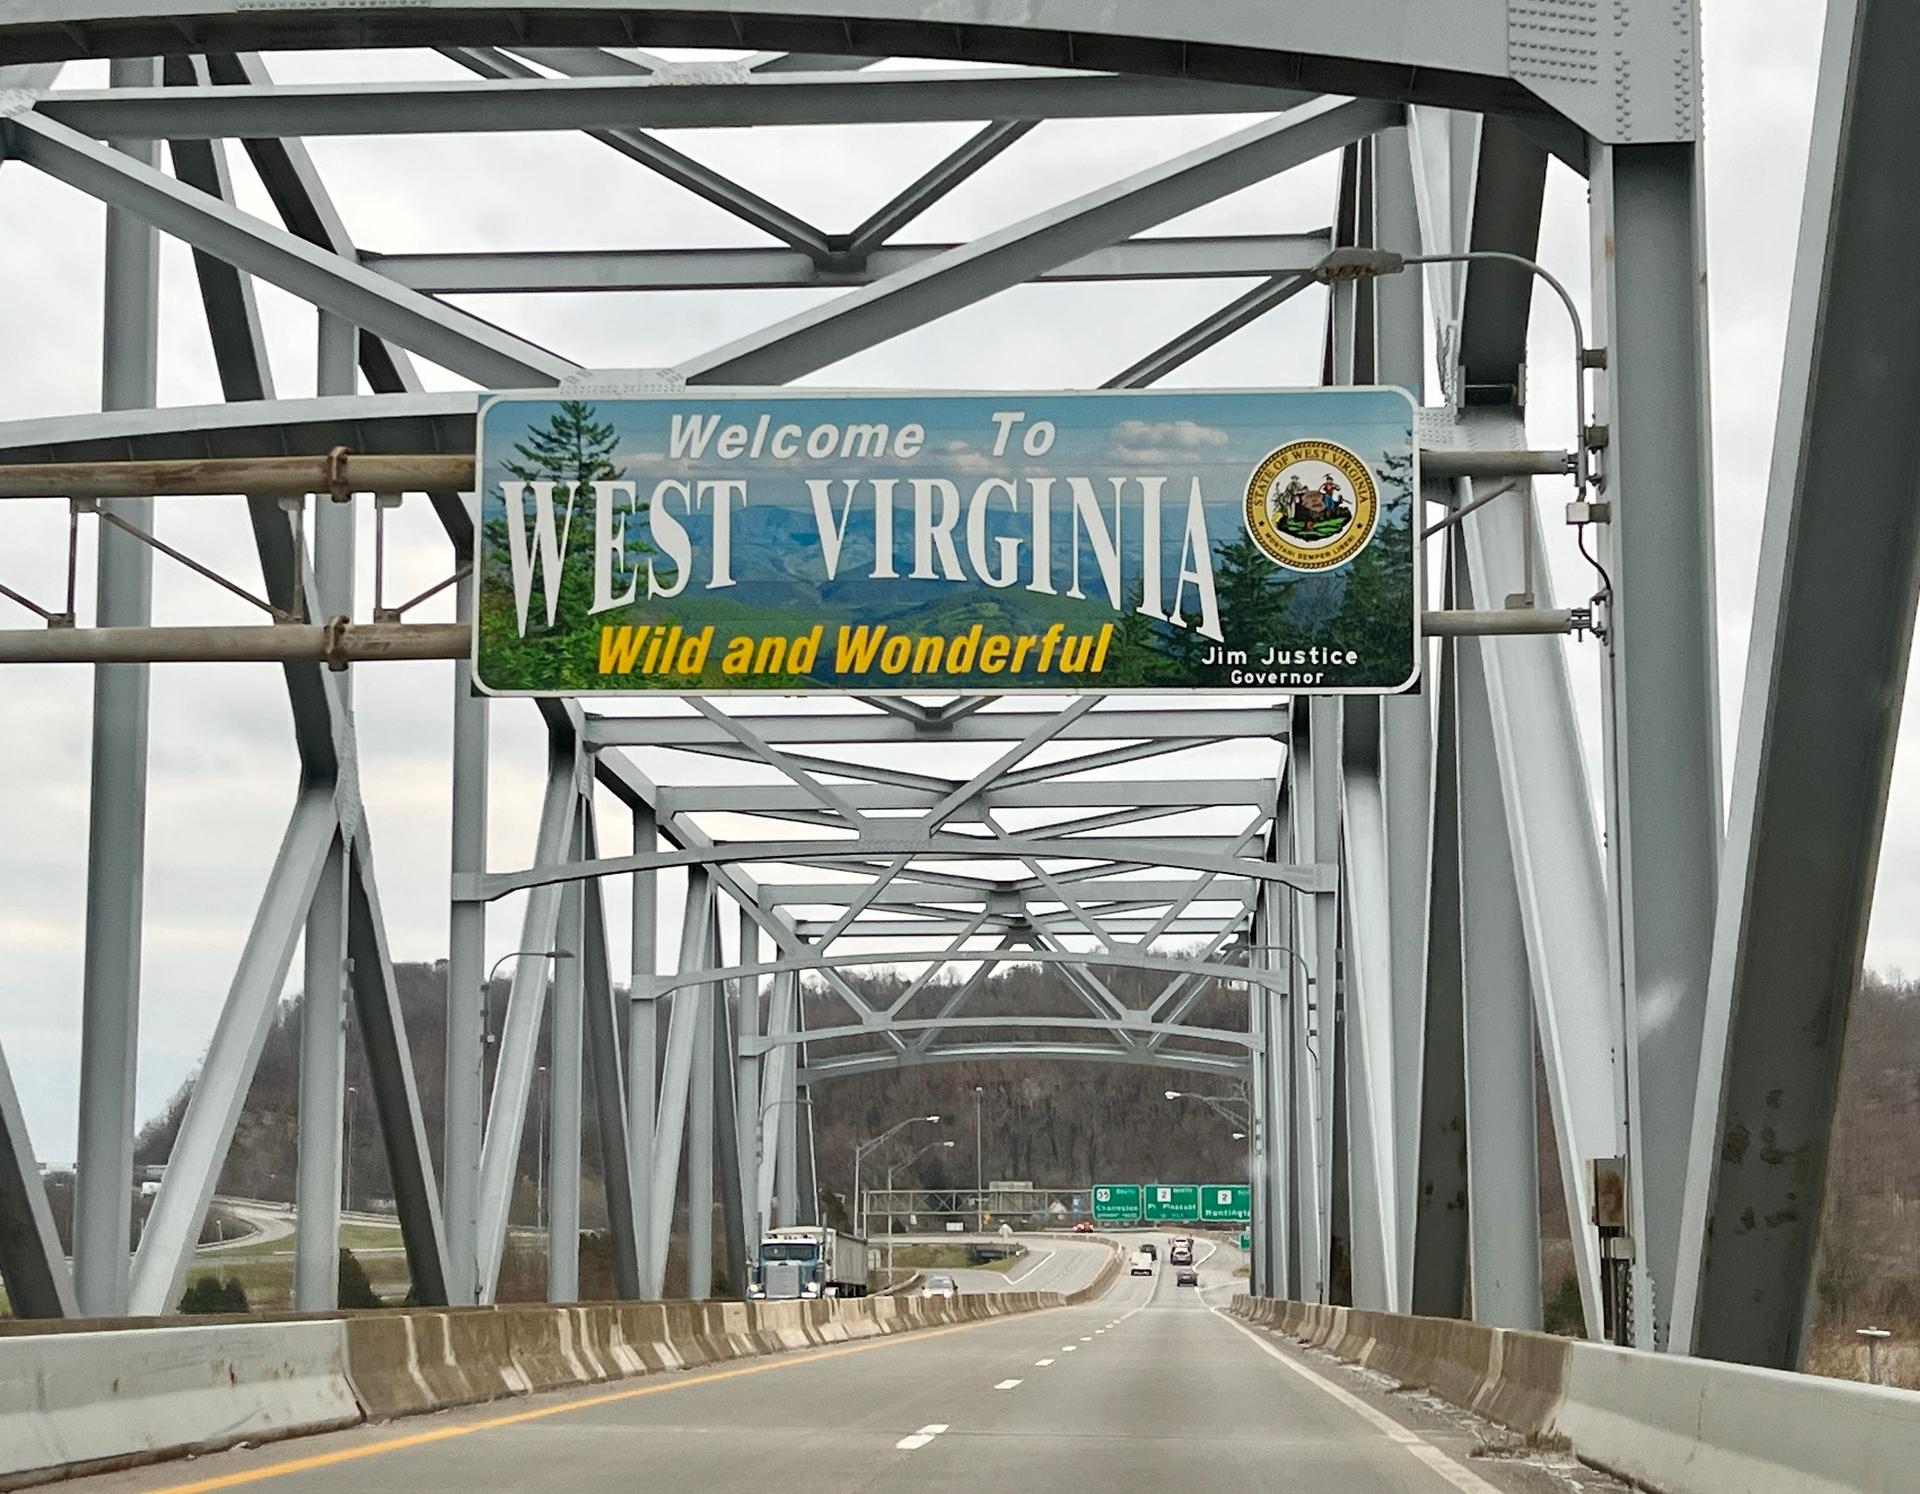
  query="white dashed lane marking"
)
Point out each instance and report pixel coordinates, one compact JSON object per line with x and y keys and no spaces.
{"x":1006,"y":1385}
{"x":1041,"y":1363}
{"x":922,"y":1437}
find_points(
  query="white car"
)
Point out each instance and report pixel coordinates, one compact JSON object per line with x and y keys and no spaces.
{"x":939,"y":1286}
{"x":1142,"y":1264}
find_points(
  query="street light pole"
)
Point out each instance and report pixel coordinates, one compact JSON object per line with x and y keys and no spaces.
{"x":979,"y":1167}
{"x":346,"y":1180}
{"x":540,"y":1158}
{"x":1225,"y":1106}
{"x":902,"y":1162}
{"x":860,"y":1150}
{"x":486,"y":992}
{"x":759,"y":1160}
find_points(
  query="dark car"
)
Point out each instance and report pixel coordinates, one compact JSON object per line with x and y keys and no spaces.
{"x":1151,"y":1249}
{"x":1187,"y":1276}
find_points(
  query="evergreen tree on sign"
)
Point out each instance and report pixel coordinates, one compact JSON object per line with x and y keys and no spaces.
{"x":574,"y":448}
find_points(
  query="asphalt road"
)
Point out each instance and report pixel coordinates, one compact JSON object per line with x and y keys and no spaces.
{"x":1053,"y":1263}
{"x":1150,"y":1388}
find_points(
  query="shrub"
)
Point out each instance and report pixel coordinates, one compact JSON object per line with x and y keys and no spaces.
{"x":355,"y":1289}
{"x":1564,"y":1314}
{"x":211,"y":1295}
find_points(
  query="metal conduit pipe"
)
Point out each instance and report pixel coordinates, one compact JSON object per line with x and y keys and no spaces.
{"x":339,"y":642}
{"x":345,"y":473}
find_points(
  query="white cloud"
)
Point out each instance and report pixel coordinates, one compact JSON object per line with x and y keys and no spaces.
{"x":1158,"y":442}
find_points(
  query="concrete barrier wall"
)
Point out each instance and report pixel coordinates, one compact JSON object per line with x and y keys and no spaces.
{"x":1676,"y":1425}
{"x":91,"y":1395}
{"x":73,"y":1402}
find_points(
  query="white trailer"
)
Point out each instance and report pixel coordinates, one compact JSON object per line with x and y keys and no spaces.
{"x":808,"y":1261}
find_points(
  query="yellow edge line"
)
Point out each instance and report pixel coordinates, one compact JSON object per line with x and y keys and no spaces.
{"x":493,"y":1423}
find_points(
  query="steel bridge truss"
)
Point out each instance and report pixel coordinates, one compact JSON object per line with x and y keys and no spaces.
{"x":1397,"y":903}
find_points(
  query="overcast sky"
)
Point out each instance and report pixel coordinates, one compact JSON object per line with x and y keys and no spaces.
{"x":223,"y":769}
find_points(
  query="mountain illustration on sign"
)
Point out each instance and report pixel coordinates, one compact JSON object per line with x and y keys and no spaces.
{"x":1312,"y":515}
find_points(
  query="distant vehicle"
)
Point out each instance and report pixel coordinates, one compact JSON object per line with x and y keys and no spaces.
{"x":1151,"y":1249}
{"x":1084,"y":1227}
{"x":1142,"y":1262}
{"x":1187,"y":1276}
{"x":808,"y":1262}
{"x":939,"y":1285}
{"x":1180,"y":1253}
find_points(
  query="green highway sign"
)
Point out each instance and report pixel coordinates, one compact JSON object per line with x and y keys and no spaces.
{"x":1116,"y":1203}
{"x":1178,"y":1202}
{"x":1225,"y":1204}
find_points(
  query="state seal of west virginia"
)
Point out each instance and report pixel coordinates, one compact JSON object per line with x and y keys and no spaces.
{"x":1312,"y":505}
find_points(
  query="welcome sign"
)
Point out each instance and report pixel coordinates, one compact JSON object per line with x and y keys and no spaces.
{"x":802,"y":543}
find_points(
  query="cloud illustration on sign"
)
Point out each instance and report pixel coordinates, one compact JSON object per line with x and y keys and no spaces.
{"x":1141,"y":442}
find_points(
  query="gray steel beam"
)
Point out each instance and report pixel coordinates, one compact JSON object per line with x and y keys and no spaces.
{"x":323,"y":996}
{"x":1373,"y":1075}
{"x":1508,"y":190}
{"x":823,"y":335}
{"x":1441,"y":1241}
{"x":1663,"y":716}
{"x":730,"y":1173}
{"x":117,"y":819}
{"x":883,"y":1060}
{"x":511,"y":271}
{"x":985,"y":726}
{"x":681,"y":169}
{"x":532,"y":102}
{"x":565,"y":1075}
{"x":322,"y":1097}
{"x":362,"y":297}
{"x":38,"y":1282}
{"x":1563,"y":894}
{"x":1312,"y":1015}
{"x":1364,"y":48}
{"x":1168,"y":851}
{"x":972,"y":155}
{"x":1818,"y":725}
{"x":701,"y":1107}
{"x":676,"y":1079}
{"x":605,"y":1010}
{"x":643,"y":1045}
{"x":193,"y":1166}
{"x":1503,"y":1174}
{"x":396,"y":1092}
{"x":1241,"y":312}
{"x":467,"y":994}
{"x":747,"y":1075}
{"x":526,"y":1002}
{"x":1164,"y":793}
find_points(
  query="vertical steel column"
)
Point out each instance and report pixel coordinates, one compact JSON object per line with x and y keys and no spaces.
{"x":700,"y":1117}
{"x":323,"y":998}
{"x":1282,"y":961}
{"x":1372,"y":1070}
{"x":1662,"y":718}
{"x":727,"y":1154}
{"x":776,"y":1082}
{"x":677,"y":1073}
{"x":1406,"y":731}
{"x":643,"y":1043}
{"x":605,"y":1009}
{"x":1827,"y":676}
{"x":564,"y":1092}
{"x":467,"y":998}
{"x":526,"y":1008}
{"x":38,"y":1282}
{"x":1314,"y":1012}
{"x":117,"y":826}
{"x":1503,"y":1168}
{"x":787,"y":1115}
{"x":746,"y":1080}
{"x":1328,"y":982}
{"x":1441,"y":1224}
{"x":1258,"y":1089}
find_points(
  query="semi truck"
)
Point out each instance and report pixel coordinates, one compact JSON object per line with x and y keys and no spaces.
{"x":807,"y":1261}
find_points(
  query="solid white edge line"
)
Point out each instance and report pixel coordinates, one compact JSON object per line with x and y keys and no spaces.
{"x":1045,"y":1256}
{"x":1463,"y":1479}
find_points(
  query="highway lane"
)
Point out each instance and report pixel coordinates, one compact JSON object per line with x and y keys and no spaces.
{"x":1053,"y":1263}
{"x":1148,"y":1388}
